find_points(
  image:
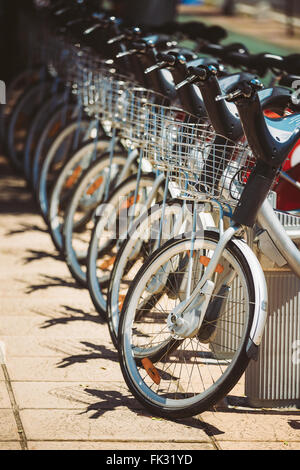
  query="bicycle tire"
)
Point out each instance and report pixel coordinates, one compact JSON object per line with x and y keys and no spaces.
{"x":62,"y":112}
{"x":81,"y":159}
{"x":127,"y":252}
{"x":64,"y":138}
{"x":159,"y":399}
{"x":123,"y":192}
{"x":91,"y":186}
{"x":22,"y":116}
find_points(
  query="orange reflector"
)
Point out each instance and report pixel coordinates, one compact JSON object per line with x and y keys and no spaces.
{"x":205,"y":261}
{"x":54,"y":129}
{"x":129,"y":202}
{"x":96,"y":185}
{"x":74,"y":177}
{"x":151,"y":370}
{"x":121,"y":301}
{"x":107,"y":263}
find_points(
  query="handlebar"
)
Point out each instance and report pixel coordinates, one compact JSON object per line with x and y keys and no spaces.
{"x":198,"y":74}
{"x":245,"y":89}
{"x":165,"y":60}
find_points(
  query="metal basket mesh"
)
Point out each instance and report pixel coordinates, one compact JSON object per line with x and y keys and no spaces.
{"x":201,"y":164}
{"x":135,"y":114}
{"x":113,"y":97}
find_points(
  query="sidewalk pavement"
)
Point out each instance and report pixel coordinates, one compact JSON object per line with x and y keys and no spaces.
{"x":266,"y":30}
{"x":61,"y":385}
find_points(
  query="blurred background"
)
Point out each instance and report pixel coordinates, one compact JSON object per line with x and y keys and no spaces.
{"x":262,"y":25}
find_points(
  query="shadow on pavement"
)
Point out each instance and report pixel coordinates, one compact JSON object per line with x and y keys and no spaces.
{"x":14,"y":196}
{"x":70,"y":317}
{"x":36,"y":255}
{"x":52,"y":281}
{"x":97,"y":352}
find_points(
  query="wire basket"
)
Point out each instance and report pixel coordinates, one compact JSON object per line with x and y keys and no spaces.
{"x":135,"y":114}
{"x":201,"y":164}
{"x":112,"y":89}
{"x":89,"y":71}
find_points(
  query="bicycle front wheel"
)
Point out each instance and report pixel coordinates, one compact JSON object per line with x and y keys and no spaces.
{"x":177,"y":373}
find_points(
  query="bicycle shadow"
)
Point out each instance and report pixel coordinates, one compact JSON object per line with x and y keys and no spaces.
{"x":113,"y":399}
{"x":110,"y":400}
{"x":37,"y":255}
{"x":94,"y":351}
{"x":23,"y":228}
{"x":52,"y":281}
{"x":72,"y":314}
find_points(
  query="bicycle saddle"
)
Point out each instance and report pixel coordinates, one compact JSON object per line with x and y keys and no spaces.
{"x":195,"y":30}
{"x":292,"y":64}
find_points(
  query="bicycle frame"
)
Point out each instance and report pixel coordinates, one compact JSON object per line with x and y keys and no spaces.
{"x":268,"y":220}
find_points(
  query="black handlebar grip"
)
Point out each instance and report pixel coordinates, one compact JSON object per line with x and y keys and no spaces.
{"x":200,"y":72}
{"x":168,"y":58}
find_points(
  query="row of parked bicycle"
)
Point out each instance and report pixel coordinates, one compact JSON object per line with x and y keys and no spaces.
{"x":161,"y":173}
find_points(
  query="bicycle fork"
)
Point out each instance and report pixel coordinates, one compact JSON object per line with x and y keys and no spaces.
{"x":187,"y":318}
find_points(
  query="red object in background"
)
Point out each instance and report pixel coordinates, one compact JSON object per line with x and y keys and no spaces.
{"x":293,"y":158}
{"x":288,"y":196}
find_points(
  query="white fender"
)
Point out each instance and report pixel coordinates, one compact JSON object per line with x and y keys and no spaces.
{"x":261,"y":293}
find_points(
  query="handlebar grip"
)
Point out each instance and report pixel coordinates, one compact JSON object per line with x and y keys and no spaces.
{"x":200,"y":72}
{"x":168,"y":58}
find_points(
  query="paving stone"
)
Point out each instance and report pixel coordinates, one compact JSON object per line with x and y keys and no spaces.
{"x":282,"y":445}
{"x":10,"y":446}
{"x":8,"y":428}
{"x":58,"y":325}
{"x":70,"y":368}
{"x":247,"y":426}
{"x":83,"y":396}
{"x":35,"y":346}
{"x":135,"y":446}
{"x":4,"y":397}
{"x":118,"y":425}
